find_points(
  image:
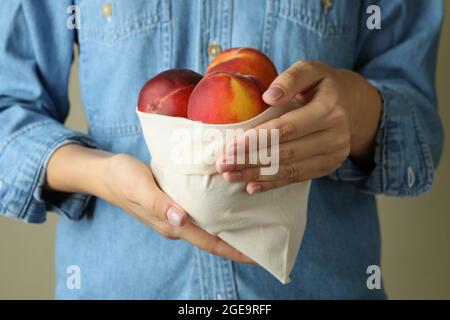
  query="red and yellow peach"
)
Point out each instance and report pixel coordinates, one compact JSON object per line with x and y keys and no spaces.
{"x":246,"y":61}
{"x":223,"y":98}
{"x":168,"y":93}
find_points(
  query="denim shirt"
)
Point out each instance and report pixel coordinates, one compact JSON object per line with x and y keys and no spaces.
{"x":123,"y":44}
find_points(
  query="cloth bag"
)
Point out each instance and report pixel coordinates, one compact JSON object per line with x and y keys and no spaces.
{"x":267,"y":227}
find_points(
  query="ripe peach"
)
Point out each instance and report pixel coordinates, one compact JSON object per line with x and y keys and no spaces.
{"x":168,"y":93}
{"x":222,"y":98}
{"x":246,"y":61}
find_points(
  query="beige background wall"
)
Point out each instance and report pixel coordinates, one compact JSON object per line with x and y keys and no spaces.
{"x":415,"y":232}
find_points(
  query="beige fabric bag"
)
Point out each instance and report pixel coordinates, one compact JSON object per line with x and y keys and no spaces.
{"x":268,"y":227}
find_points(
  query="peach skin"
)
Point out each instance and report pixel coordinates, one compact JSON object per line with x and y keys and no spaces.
{"x":168,"y":93}
{"x":246,"y":61}
{"x":223,"y":98}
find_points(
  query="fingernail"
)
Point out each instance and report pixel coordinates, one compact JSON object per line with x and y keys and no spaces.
{"x":273,"y":93}
{"x":174,"y":216}
{"x":232,"y":176}
{"x":254,"y":188}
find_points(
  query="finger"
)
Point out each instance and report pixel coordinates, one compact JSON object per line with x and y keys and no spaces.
{"x":154,"y":202}
{"x":212,"y":244}
{"x":298,"y":78}
{"x":229,"y":163}
{"x":290,"y":126}
{"x":314,"y":117}
{"x":199,"y":238}
{"x":245,"y":152}
{"x":311,"y":168}
{"x":241,"y":150}
{"x":293,"y":172}
{"x":298,"y":123}
{"x":258,"y":187}
{"x":314,"y":144}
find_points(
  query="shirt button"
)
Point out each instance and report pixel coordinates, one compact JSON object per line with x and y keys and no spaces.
{"x":214,"y":49}
{"x":219,"y":296}
{"x":327,"y":4}
{"x":107,"y":9}
{"x":411,"y":177}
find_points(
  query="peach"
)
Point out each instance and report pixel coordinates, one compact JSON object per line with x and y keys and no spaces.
{"x":168,"y":93}
{"x":246,"y":61}
{"x":222,"y":98}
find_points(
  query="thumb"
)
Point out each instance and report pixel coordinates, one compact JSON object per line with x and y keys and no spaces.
{"x":163,"y":207}
{"x":298,"y":78}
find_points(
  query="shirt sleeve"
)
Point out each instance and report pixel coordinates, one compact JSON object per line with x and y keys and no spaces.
{"x":36,"y":51}
{"x":400,"y":61}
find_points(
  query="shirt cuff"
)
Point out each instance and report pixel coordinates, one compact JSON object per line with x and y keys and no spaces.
{"x":22,"y":193}
{"x":403,"y":164}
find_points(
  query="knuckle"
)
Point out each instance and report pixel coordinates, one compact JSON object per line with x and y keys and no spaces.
{"x":288,"y":154}
{"x":339,"y":111}
{"x":337,"y":114}
{"x":322,"y":97}
{"x":117,"y":161}
{"x":154,"y":205}
{"x":332,"y":77}
{"x":130,"y":194}
{"x":288,"y":78}
{"x":327,"y":107}
{"x":291,"y":172}
{"x":287,"y":130}
{"x":274,"y":124}
{"x":304,"y":64}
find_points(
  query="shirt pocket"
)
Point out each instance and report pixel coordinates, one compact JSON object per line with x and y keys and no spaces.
{"x":109,"y":22}
{"x":318,"y":30}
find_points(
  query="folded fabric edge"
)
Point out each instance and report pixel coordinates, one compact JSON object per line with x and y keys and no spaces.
{"x":231,"y":239}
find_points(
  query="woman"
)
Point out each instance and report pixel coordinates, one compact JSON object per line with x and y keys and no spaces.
{"x":370,"y":126}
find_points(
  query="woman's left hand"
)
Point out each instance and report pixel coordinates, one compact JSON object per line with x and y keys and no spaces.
{"x":338,"y":116}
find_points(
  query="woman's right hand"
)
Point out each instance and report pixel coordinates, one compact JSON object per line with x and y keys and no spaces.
{"x":129,"y":184}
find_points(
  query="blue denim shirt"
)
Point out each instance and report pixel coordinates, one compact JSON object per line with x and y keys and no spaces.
{"x":119,"y":50}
